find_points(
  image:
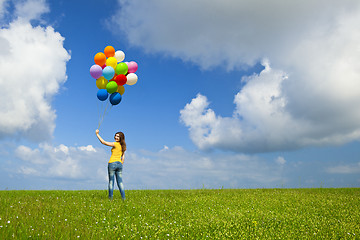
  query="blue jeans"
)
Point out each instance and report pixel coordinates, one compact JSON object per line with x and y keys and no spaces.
{"x":115,"y":169}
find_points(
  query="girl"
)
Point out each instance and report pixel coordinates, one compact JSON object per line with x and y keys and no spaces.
{"x":116,"y":161}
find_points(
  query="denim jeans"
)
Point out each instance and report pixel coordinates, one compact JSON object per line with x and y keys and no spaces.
{"x":115,"y":169}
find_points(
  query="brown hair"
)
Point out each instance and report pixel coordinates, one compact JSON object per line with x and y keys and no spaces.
{"x":122,"y":141}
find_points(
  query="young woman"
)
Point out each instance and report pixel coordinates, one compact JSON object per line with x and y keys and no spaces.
{"x":116,"y":161}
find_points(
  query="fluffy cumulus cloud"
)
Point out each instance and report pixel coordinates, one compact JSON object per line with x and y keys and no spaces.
{"x":85,"y":167}
{"x":32,"y":69}
{"x":178,"y":168}
{"x":309,"y":91}
{"x":353,"y":168}
{"x":61,"y":162}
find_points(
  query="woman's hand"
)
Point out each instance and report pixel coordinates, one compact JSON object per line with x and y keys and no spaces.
{"x":97,"y":131}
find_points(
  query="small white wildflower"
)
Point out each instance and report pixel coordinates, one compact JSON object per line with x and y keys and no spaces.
{"x":8,"y":222}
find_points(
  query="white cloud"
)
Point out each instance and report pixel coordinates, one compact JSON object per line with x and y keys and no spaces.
{"x":168,"y":168}
{"x":77,"y":163}
{"x":27,"y":154}
{"x":88,"y":148}
{"x":231,"y":32}
{"x":32,"y":69}
{"x":85,"y":167}
{"x":280,"y":160}
{"x":263,"y":120}
{"x":177,"y":168}
{"x":2,"y":8}
{"x":30,"y":9}
{"x":309,"y":97}
{"x":345,"y":169}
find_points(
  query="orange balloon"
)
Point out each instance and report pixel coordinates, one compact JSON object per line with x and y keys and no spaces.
{"x":121,"y":90}
{"x":100,"y":59}
{"x":109,"y":51}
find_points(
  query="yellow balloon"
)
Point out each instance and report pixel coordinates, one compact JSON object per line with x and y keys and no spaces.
{"x":112,"y":62}
{"x":121,"y":90}
{"x":101,"y":83}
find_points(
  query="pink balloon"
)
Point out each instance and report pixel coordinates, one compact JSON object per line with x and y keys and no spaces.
{"x":132,"y":66}
{"x":95,"y":71}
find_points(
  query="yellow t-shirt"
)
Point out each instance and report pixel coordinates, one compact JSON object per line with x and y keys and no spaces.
{"x":116,"y":153}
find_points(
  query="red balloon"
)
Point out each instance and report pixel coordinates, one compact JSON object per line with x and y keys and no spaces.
{"x":120,"y":79}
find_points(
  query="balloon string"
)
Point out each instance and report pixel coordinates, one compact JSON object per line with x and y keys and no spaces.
{"x":101,"y":117}
{"x":99,"y":111}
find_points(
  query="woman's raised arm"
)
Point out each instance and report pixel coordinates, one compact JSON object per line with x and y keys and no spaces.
{"x":110,"y":144}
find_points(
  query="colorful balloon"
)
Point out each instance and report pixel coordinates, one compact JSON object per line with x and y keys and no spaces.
{"x":112,"y":62}
{"x":131,"y":79}
{"x":132,"y":67}
{"x":119,"y":55}
{"x":108,"y":72}
{"x":115,"y":98}
{"x":95,"y":71}
{"x":101,"y":83}
{"x":109,"y":51}
{"x":120,"y":79}
{"x":111,"y":87}
{"x":100,"y":59}
{"x":121,"y":68}
{"x":121,"y":90}
{"x":102,"y":94}
{"x":111,"y":74}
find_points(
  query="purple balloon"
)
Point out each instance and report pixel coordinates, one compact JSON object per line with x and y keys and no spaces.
{"x":132,"y":67}
{"x":95,"y":71}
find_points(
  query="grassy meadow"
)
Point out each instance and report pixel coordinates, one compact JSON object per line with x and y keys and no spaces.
{"x":182,"y":214}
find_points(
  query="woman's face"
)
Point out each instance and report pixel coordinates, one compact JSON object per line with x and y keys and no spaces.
{"x":117,"y":137}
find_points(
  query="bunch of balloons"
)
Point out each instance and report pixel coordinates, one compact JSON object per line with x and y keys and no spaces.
{"x":111,"y":74}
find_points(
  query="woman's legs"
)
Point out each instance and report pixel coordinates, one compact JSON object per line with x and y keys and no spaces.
{"x":120,"y":183}
{"x":111,"y":172}
{"x":115,"y":168}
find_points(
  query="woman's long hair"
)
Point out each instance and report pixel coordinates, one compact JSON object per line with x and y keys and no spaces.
{"x":122,"y":141}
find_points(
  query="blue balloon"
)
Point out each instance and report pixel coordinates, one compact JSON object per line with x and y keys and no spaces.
{"x":108,"y":72}
{"x":102,"y":94}
{"x":115,"y":98}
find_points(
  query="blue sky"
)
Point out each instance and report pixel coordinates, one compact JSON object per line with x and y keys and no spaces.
{"x":233,"y":94}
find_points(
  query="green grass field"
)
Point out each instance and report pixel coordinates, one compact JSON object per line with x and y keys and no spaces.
{"x":182,"y":214}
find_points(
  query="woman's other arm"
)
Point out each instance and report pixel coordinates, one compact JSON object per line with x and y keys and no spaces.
{"x":123,"y":158}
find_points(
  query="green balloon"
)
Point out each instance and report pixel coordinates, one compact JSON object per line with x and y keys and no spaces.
{"x":111,"y":87}
{"x":121,"y":68}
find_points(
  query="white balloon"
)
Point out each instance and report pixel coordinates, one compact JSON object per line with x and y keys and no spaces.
{"x":119,"y":55}
{"x":131,"y":79}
